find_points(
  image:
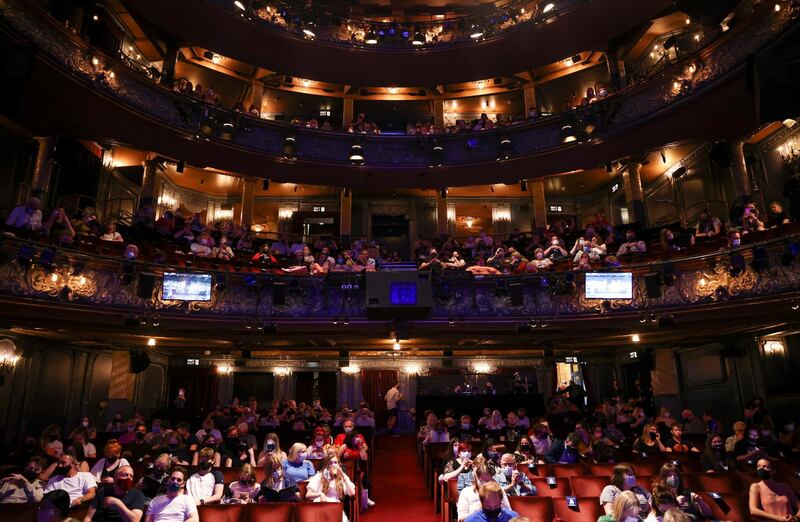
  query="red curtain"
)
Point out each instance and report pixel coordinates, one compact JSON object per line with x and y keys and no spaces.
{"x":374,"y":385}
{"x":201,"y":385}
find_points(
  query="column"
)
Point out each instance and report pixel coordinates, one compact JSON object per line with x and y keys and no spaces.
{"x":248,"y":201}
{"x":539,"y":214}
{"x":149,"y":189}
{"x":347,"y":113}
{"x":345,"y":217}
{"x":438,"y":112}
{"x":441,"y":212}
{"x":632,"y":182}
{"x":40,"y":183}
{"x":741,"y":178}
{"x":529,"y":93}
{"x":168,"y":67}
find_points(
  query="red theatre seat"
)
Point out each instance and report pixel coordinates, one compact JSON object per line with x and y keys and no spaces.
{"x":318,"y":512}
{"x":588,"y":486}
{"x":646,"y":467}
{"x":588,"y":510}
{"x":717,"y":482}
{"x":731,"y":506}
{"x":567,"y":470}
{"x":272,"y":511}
{"x":21,"y":512}
{"x":535,"y":508}
{"x":220,"y":512}
{"x":561,"y":488}
{"x":604,"y":469}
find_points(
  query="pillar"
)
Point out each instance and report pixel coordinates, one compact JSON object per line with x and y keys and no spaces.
{"x":149,"y":190}
{"x":441,"y":212}
{"x":347,"y":113}
{"x":529,"y":94}
{"x":438,"y":112}
{"x":741,"y":178}
{"x":168,"y":66}
{"x":539,"y":214}
{"x":42,"y":170}
{"x":248,"y":201}
{"x":632,"y":182}
{"x":345,"y":217}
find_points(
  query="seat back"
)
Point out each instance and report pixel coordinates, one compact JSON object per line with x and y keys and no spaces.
{"x":731,"y":506}
{"x":534,"y":508}
{"x":561,"y":488}
{"x":451,"y":491}
{"x":567,"y":470}
{"x":21,"y":512}
{"x":587,"y":510}
{"x":220,"y":512}
{"x":540,"y":470}
{"x":646,"y":467}
{"x":318,"y":512}
{"x":716,"y":482}
{"x":601,"y":469}
{"x":272,"y":511}
{"x":588,"y":486}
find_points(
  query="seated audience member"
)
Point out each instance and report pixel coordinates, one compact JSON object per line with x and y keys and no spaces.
{"x":122,"y":501}
{"x":708,"y":226}
{"x":465,"y":430}
{"x":688,"y":501}
{"x":625,"y":508}
{"x":202,"y":245}
{"x":364,"y":417}
{"x":556,"y":251}
{"x":438,"y":433}
{"x":525,"y":453}
{"x":25,"y":487}
{"x":58,"y":227}
{"x":111,"y":233}
{"x":541,"y":440}
{"x":455,"y":261}
{"x":351,"y":444}
{"x":275,"y":486}
{"x":649,"y":442}
{"x":318,"y":446}
{"x":296,"y":468}
{"x":459,"y":467}
{"x":631,"y":246}
{"x":663,"y":500}
{"x":513,"y":482}
{"x":55,"y":507}
{"x":583,"y":263}
{"x":207,"y":484}
{"x":80,"y":486}
{"x":770,"y":499}
{"x":236,"y":451}
{"x":603,"y":449}
{"x":523,"y":419}
{"x":539,"y":261}
{"x":271,"y":446}
{"x":140,"y":449}
{"x":27,"y":216}
{"x":223,"y":250}
{"x":623,"y":479}
{"x":691,"y":424}
{"x":492,"y":510}
{"x":715,"y":458}
{"x":776,"y":216}
{"x":245,"y":488}
{"x":676,"y":443}
{"x":425,"y":429}
{"x":154,"y":478}
{"x":739,"y":433}
{"x":331,"y":483}
{"x":513,"y":431}
{"x":208,"y":430}
{"x":105,"y":468}
{"x":564,"y":451}
{"x":788,"y":440}
{"x":469,"y":498}
{"x":676,"y":515}
{"x":749,"y":449}
{"x":173,"y":506}
{"x":750,"y":219}
{"x":495,"y":425}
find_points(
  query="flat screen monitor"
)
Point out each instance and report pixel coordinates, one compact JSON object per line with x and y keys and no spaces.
{"x":402,"y":293}
{"x":609,"y":285}
{"x":186,"y":287}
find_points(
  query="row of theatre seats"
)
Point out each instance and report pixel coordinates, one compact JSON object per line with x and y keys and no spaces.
{"x":272,"y":512}
{"x":555,"y":482}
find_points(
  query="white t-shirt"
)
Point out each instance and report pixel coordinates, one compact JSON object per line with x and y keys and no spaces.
{"x":392,"y":396}
{"x":89,"y":450}
{"x":469,"y":502}
{"x":100,"y":466}
{"x":77,"y":486}
{"x":202,"y":486}
{"x":165,"y":509}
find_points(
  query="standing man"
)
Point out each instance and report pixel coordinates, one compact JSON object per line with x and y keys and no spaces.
{"x":393,"y":396}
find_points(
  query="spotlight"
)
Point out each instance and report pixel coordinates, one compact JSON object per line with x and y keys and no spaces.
{"x":549,"y":7}
{"x":777,"y":7}
{"x":437,"y":155}
{"x":396,"y":345}
{"x":642,"y":318}
{"x":239,"y":4}
{"x":151,"y":341}
{"x":290,"y":148}
{"x":371,"y":38}
{"x":653,"y":318}
{"x":180,"y":166}
{"x":308,"y":31}
{"x":405,"y":34}
{"x":207,"y":127}
{"x":794,"y":304}
{"x":155,"y":320}
{"x":356,"y":155}
{"x":568,"y":133}
{"x":476,"y":31}
{"x":523,"y":186}
{"x":418,"y":39}
{"x":228,"y":132}
{"x":635,"y":338}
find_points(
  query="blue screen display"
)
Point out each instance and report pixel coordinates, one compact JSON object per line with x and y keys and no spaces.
{"x":401,"y":293}
{"x":186,"y":287}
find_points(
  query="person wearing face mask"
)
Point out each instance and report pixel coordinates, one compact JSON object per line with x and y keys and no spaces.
{"x":564,"y":451}
{"x":25,"y":487}
{"x":541,"y":440}
{"x":491,"y":453}
{"x":141,"y":448}
{"x":318,"y":445}
{"x":649,"y":442}
{"x":297,"y":468}
{"x":663,"y":500}
{"x":460,"y":466}
{"x":631,"y":246}
{"x":276,"y":487}
{"x":770,"y":499}
{"x":525,"y":453}
{"x":439,"y":433}
{"x":687,"y":501}
{"x":207,"y":485}
{"x":492,"y":510}
{"x":364,"y":417}
{"x":271,"y":446}
{"x":513,"y":482}
{"x":154,"y":479}
{"x":539,"y":261}
{"x":624,"y":480}
{"x":235,"y":450}
{"x":469,"y":500}
{"x":352,"y":446}
{"x":625,"y":508}
{"x":51,"y":441}
{"x":245,"y":488}
{"x":104,"y":469}
{"x":676,"y":443}
{"x":120,"y":503}
{"x":715,"y":458}
{"x":331,"y":483}
{"x":787,"y":438}
{"x":749,"y":449}
{"x":81,"y":486}
{"x":424,"y":430}
{"x":174,"y":505}
{"x":465,"y":430}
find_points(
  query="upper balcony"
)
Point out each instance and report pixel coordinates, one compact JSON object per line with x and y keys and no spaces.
{"x":541,"y":36}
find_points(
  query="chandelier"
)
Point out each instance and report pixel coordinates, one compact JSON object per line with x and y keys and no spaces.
{"x":8,"y":356}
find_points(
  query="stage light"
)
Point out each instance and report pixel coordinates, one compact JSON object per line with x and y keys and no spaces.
{"x":523,"y":186}
{"x":239,"y":4}
{"x":216,"y":59}
{"x":371,"y":38}
{"x":476,"y":31}
{"x":437,"y":155}
{"x":549,"y":7}
{"x":308,"y":31}
{"x":356,"y":155}
{"x":568,"y":134}
{"x":795,"y":304}
{"x":635,"y":338}
{"x":777,"y":7}
{"x":228,"y":132}
{"x":418,"y":39}
{"x":289,"y":148}
{"x":151,"y":341}
{"x":396,"y":345}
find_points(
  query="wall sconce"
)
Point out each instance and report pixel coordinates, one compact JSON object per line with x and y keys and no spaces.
{"x":413,"y":368}
{"x":351,"y":370}
{"x":224,"y":369}
{"x":8,"y":356}
{"x":773,"y":347}
{"x":281,"y":371}
{"x":285,"y":214}
{"x":482,"y":367}
{"x":451,"y":213}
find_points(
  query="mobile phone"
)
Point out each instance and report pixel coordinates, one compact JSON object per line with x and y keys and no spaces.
{"x":572,"y":501}
{"x":715,"y":495}
{"x":551,"y":481}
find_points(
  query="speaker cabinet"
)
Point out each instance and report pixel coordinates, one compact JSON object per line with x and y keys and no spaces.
{"x":652,"y":283}
{"x":398,"y":295}
{"x":140,"y":361}
{"x":145,"y":285}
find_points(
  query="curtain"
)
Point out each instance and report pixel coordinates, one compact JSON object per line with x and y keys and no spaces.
{"x":201,"y":385}
{"x":374,"y":385}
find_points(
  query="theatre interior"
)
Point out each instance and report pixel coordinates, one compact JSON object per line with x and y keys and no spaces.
{"x":381,"y":260}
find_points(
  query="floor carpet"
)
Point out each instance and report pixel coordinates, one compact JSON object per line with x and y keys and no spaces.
{"x":398,"y":487}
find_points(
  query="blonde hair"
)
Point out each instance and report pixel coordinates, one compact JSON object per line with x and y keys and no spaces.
{"x":206,"y":452}
{"x":296,"y":449}
{"x":490,"y":488}
{"x":625,"y":500}
{"x":248,"y":470}
{"x":272,"y":464}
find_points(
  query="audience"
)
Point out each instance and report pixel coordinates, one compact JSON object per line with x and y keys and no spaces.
{"x":80,"y":485}
{"x":174,"y":505}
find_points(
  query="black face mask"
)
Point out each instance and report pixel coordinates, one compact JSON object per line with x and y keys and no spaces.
{"x":491,"y":513}
{"x":764,"y":474}
{"x":140,"y":435}
{"x":205,"y":465}
{"x":717,"y":448}
{"x":524,"y":447}
{"x":63,"y":471}
{"x":112,"y":459}
{"x":30,"y":475}
{"x":173,"y":448}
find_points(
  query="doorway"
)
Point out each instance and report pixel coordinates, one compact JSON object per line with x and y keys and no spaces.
{"x":316,"y":385}
{"x":392,"y":231}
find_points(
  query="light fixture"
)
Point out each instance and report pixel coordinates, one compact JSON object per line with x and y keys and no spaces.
{"x":151,"y":341}
{"x":396,"y":345}
{"x":95,"y":60}
{"x":789,"y":123}
{"x":773,"y":347}
{"x":392,"y":90}
{"x":289,"y":149}
{"x":281,"y":371}
{"x":505,"y":148}
{"x":82,"y":280}
{"x":635,"y":338}
{"x":239,"y":4}
{"x":469,"y":220}
{"x":351,"y":369}
{"x":777,"y":7}
{"x":418,"y":39}
{"x":481,"y":84}
{"x":549,"y":7}
{"x":437,"y":155}
{"x":96,"y":18}
{"x":413,"y":368}
{"x":476,"y":31}
{"x":216,"y":59}
{"x":482,"y":367}
{"x":688,"y":20}
{"x":54,"y":277}
{"x":224,"y":369}
{"x":308,"y":32}
{"x":371,"y":38}
{"x":356,"y":155}
{"x":8,"y":356}
{"x":795,"y":304}
{"x":697,"y":38}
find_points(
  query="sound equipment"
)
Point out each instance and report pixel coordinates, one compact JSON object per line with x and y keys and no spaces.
{"x":145,"y":285}
{"x":398,"y":295}
{"x":447,"y":358}
{"x":344,"y":359}
{"x":652,"y":283}
{"x":278,"y":294}
{"x":140,"y":361}
{"x":517,"y":297}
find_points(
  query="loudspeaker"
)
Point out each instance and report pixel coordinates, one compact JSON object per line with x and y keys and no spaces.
{"x":517,"y":297}
{"x":447,"y":358}
{"x":344,"y":359}
{"x":652,"y":283}
{"x":278,"y":294}
{"x":140,"y":361}
{"x":721,"y":154}
{"x":144,"y":288}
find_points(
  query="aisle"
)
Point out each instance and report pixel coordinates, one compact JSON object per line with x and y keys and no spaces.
{"x":398,"y":486}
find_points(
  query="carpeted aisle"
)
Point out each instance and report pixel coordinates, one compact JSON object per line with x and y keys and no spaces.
{"x":398,"y":487}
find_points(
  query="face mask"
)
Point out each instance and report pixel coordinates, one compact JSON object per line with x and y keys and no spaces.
{"x":736,"y":242}
{"x":631,"y":519}
{"x":348,"y":430}
{"x":716,"y":447}
{"x":205,"y":465}
{"x":318,"y":443}
{"x":672,"y":481}
{"x":465,"y":455}
{"x":62,"y":470}
{"x":587,"y":249}
{"x":508,"y":470}
{"x":30,"y":475}
{"x":271,"y":447}
{"x":173,"y":487}
{"x":524,"y":447}
{"x":124,"y":484}
{"x":203,"y":242}
{"x":491,"y":513}
{"x":465,"y":426}
{"x":276,"y":475}
{"x":112,"y":459}
{"x":140,"y":435}
{"x":764,"y":474}
{"x":630,"y":481}
{"x":85,"y":424}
